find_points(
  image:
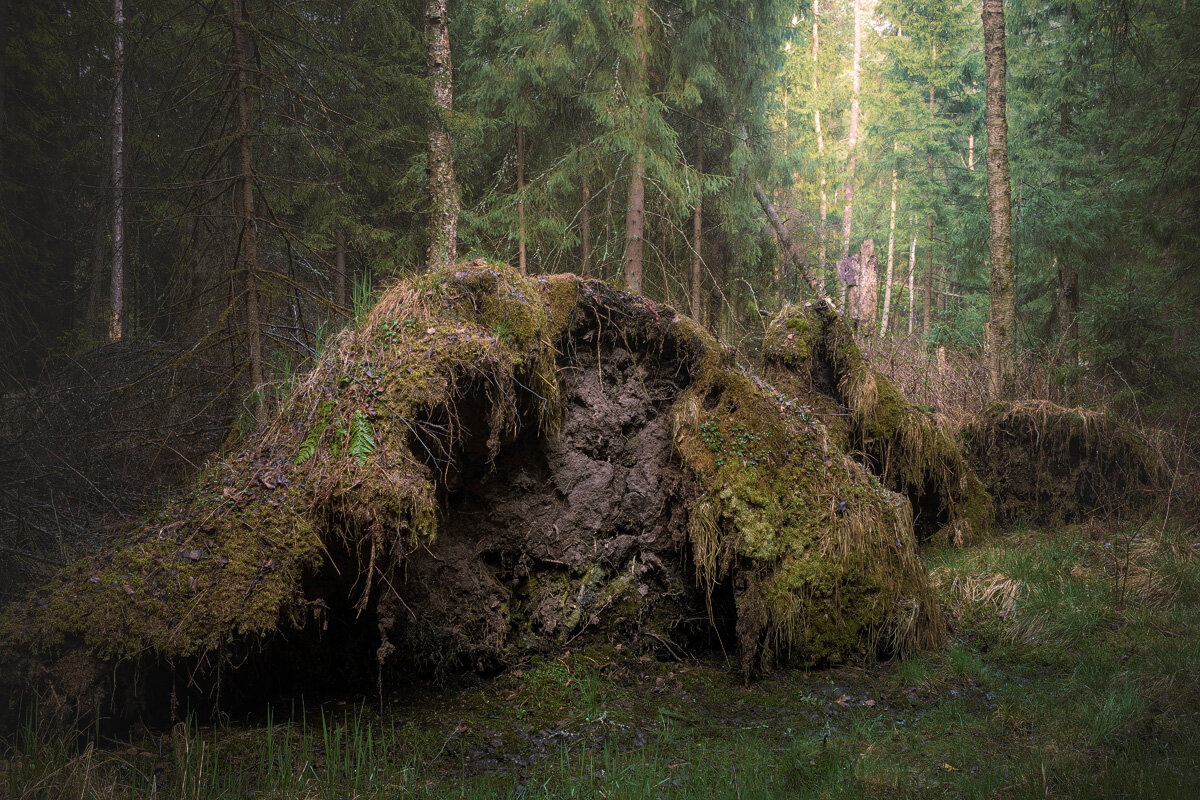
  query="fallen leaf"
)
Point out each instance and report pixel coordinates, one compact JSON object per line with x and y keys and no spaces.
{"x":869,"y":704}
{"x":949,"y":768}
{"x":844,"y":700}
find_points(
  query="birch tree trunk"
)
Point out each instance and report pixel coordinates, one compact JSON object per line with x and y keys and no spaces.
{"x":887,"y":283}
{"x":443,"y":191}
{"x":116,"y":316}
{"x":244,"y":193}
{"x":1003,"y":315}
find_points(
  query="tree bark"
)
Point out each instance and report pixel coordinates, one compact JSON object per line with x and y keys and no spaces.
{"x":785,"y":243}
{"x":116,"y":315}
{"x":887,"y":283}
{"x":912,"y":272}
{"x":1066,"y":307}
{"x":822,"y":231}
{"x":1002,"y":319}
{"x":3,"y":77}
{"x":244,"y":193}
{"x":635,"y":207}
{"x":443,"y":191}
{"x":586,"y":235}
{"x":339,"y":267}
{"x":697,"y":226}
{"x":852,"y":140}
{"x":927,"y":300}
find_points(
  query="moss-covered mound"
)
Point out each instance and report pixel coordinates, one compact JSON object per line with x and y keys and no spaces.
{"x":1046,"y":463}
{"x":810,"y":353}
{"x":490,"y":465}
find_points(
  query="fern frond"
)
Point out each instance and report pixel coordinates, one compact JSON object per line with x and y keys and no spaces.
{"x":308,"y":448}
{"x":362,"y":439}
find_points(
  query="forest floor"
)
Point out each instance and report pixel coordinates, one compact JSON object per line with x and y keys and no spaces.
{"x":1071,"y":671}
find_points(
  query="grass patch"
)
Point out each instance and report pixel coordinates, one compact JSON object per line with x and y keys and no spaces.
{"x":1071,"y":673}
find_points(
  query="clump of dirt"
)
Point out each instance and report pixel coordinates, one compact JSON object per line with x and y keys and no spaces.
{"x":490,"y":465}
{"x":810,"y":353}
{"x":1050,"y":464}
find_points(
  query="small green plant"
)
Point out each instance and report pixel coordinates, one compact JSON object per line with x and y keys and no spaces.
{"x":744,"y":444}
{"x":503,"y":331}
{"x":362,"y":439}
{"x":308,"y":448}
{"x":363,"y":298}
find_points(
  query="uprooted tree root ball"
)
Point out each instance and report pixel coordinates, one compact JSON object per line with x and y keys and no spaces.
{"x":1050,"y":464}
{"x":489,"y":465}
{"x":810,"y":353}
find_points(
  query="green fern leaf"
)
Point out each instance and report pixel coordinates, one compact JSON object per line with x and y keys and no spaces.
{"x":308,"y":448}
{"x":362,"y":440}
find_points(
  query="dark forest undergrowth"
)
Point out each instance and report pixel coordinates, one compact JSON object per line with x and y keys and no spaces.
{"x":1070,"y":672}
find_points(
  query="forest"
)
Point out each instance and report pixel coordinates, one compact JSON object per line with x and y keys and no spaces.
{"x":609,"y":398}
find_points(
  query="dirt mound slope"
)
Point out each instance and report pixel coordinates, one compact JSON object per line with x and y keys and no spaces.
{"x":1049,"y":464}
{"x":810,"y":354}
{"x":490,"y":465}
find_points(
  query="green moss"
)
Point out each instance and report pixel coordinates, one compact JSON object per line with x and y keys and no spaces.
{"x":911,"y":453}
{"x":791,"y":338}
{"x":825,"y":555}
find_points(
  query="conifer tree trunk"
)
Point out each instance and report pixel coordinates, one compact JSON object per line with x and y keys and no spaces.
{"x":927,"y":301}
{"x":821,"y":229}
{"x":586,"y":234}
{"x":912,"y":272}
{"x":443,"y":191}
{"x":635,"y":206}
{"x":1066,"y":313}
{"x":116,"y":316}
{"x":3,"y":77}
{"x":887,"y":287}
{"x":1002,"y":319}
{"x":852,"y":141}
{"x":339,"y":267}
{"x":244,"y":191}
{"x":521,"y":267}
{"x":697,"y":224}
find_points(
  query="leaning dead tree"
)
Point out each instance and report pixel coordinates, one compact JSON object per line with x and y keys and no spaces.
{"x":810,"y":352}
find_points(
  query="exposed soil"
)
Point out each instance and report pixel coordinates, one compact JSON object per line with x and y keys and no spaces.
{"x":580,"y":532}
{"x":1050,"y":464}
